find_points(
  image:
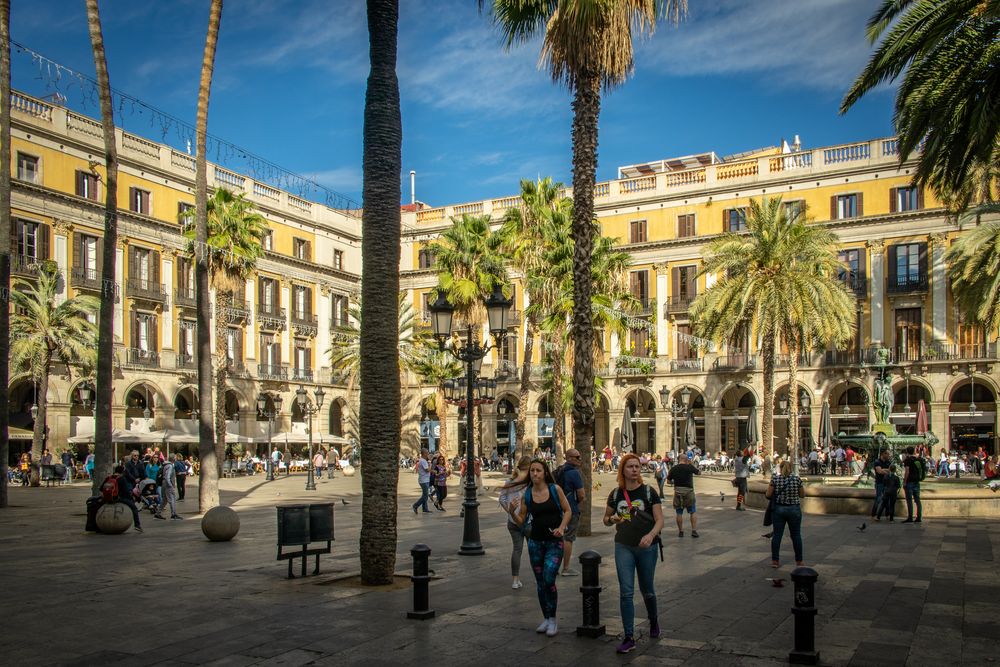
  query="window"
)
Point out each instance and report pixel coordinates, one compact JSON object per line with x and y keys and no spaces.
{"x":852,"y":270}
{"x":684,"y":286}
{"x":138,"y":200}
{"x":185,"y":275}
{"x":908,"y":334}
{"x":338,"y":259}
{"x":86,"y":185}
{"x":185,"y":212}
{"x":425,"y":258}
{"x":141,"y":260}
{"x":685,"y":225}
{"x":970,"y":339}
{"x":907,"y":264}
{"x":86,"y":256}
{"x":905,"y":199}
{"x":843,"y":207}
{"x":234,"y":344}
{"x":734,"y":220}
{"x":301,"y":249}
{"x":270,"y":352}
{"x":27,"y":168}
{"x":639,"y":285}
{"x":268,"y":241}
{"x":302,"y":358}
{"x":640,"y":343}
{"x":186,"y":335}
{"x":144,"y":332}
{"x":683,"y":341}
{"x":637,"y":231}
{"x":795,"y":209}
{"x":32,"y":239}
{"x":268,"y":295}
{"x":301,"y":302}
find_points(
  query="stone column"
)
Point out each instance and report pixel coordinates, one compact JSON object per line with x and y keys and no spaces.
{"x":167,"y":318}
{"x":119,"y":323}
{"x":286,"y":334}
{"x":61,"y":247}
{"x":664,"y":435}
{"x":661,"y":302}
{"x":877,"y":282}
{"x":713,"y":429}
{"x":941,"y":424}
{"x":615,"y":427}
{"x":249,"y":334}
{"x":324,"y":312}
{"x":939,"y":287}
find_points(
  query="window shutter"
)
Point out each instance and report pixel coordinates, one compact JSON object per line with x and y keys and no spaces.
{"x":100,"y":255}
{"x":133,"y":262}
{"x":132,"y":203}
{"x":309,"y":301}
{"x":892,"y":200}
{"x":891,"y":258}
{"x":308,"y":251}
{"x":862,"y":264}
{"x":861,"y":204}
{"x":692,"y":271}
{"x":633,"y":283}
{"x":77,"y":243}
{"x":134,"y":330}
{"x":833,"y":207}
{"x":155,"y":273}
{"x":260,"y":293}
{"x":920,"y":199}
{"x":725,"y":219}
{"x":922,"y":259}
{"x":44,"y":232}
{"x":675,"y":283}
{"x":153,"y":331}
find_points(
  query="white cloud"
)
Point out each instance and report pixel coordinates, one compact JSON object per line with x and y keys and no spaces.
{"x":819,"y":44}
{"x":340,"y":179}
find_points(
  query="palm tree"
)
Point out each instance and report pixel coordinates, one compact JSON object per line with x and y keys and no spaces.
{"x":774,"y":281}
{"x":43,"y":332}
{"x":524,"y":243}
{"x":587,"y":45}
{"x":434,"y":367}
{"x":4,"y":243}
{"x":945,"y":51}
{"x":380,"y":404}
{"x":236,"y":234}
{"x":208,"y":477}
{"x":974,"y":269}
{"x":109,"y":288}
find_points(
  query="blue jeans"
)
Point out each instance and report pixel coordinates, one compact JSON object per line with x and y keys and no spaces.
{"x":912,"y":491}
{"x":629,"y":560}
{"x":424,"y":489}
{"x":791,"y":515}
{"x":879,"y":492}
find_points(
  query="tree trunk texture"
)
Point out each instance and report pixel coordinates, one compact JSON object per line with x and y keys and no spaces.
{"x":442,"y":414}
{"x":558,"y":411}
{"x":380,"y":385}
{"x":208,"y":476}
{"x":223,"y":300}
{"x":4,"y":246}
{"x":586,"y":111}
{"x":767,"y":425}
{"x":104,"y":381}
{"x":522,"y":399}
{"x":38,"y":441}
{"x":793,"y":397}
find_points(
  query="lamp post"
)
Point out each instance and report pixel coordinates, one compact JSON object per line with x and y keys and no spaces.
{"x":497,"y":308}
{"x":270,"y":414}
{"x":302,"y":396}
{"x":676,"y":409}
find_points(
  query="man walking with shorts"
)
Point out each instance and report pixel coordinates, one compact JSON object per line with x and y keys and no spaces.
{"x":681,"y":476}
{"x":569,"y":478}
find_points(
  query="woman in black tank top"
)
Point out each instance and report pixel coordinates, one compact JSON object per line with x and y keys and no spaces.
{"x":550,"y":514}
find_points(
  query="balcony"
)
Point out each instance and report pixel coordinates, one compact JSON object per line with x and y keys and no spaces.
{"x":513,"y":317}
{"x":344,"y":322}
{"x":25,"y":265}
{"x":302,"y":374}
{"x":271,"y":318}
{"x":679,"y":304}
{"x":842,"y":357}
{"x":958,"y":351}
{"x":272,"y":371}
{"x":735,"y":362}
{"x":237,"y":312}
{"x":538,"y":371}
{"x":783,"y":360}
{"x":507,"y":371}
{"x":84,"y":278}
{"x":137,"y":358}
{"x":687,"y":365}
{"x":139,"y":288}
{"x":186,"y":362}
{"x":328,"y":376}
{"x":858,"y":284}
{"x":634,"y":366}
{"x":236,"y":368}
{"x":305,"y":324}
{"x":907,"y":284}
{"x":184,"y":297}
{"x":647,"y":306}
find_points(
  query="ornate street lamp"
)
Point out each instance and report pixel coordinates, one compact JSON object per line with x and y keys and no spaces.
{"x":271,"y":414}
{"x":471,"y":353}
{"x":309,"y":409}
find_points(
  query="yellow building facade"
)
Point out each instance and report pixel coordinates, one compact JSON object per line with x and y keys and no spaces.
{"x":278,"y":327}
{"x":892,"y":237}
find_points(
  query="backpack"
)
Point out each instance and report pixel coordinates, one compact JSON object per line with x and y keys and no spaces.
{"x":109,"y":489}
{"x":921,"y":467}
{"x":658,"y":470}
{"x":560,"y":475}
{"x":159,"y":476}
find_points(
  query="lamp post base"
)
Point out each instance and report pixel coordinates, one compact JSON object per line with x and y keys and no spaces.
{"x":471,"y":543}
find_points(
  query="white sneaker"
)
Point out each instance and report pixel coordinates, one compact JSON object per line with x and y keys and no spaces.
{"x":544,"y":627}
{"x":517,"y":584}
{"x":551,"y":632}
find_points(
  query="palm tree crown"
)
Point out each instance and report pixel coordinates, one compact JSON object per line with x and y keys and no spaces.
{"x":236,"y":233}
{"x":974,"y":269}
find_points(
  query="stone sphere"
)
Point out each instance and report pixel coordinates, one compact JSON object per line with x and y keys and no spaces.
{"x":114,"y":519}
{"x":349,"y":471}
{"x":220,"y":524}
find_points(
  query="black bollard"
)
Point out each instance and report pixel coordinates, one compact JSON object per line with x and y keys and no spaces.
{"x":590,"y":561}
{"x":804,"y":611}
{"x":421,"y":583}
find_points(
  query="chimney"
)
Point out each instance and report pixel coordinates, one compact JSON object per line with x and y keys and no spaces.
{"x":413,"y":187}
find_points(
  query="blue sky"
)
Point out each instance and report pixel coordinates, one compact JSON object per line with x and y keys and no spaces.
{"x":290,"y":80}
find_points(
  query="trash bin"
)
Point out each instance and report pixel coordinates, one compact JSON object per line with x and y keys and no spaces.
{"x":93,"y":504}
{"x":293,"y":525}
{"x":321,"y":522}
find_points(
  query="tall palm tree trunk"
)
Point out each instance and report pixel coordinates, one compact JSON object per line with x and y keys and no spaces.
{"x":558,"y":409}
{"x":793,"y":396}
{"x":767,"y":427}
{"x":586,"y":111}
{"x":104,"y":380}
{"x":380,"y":386}
{"x":223,"y":300}
{"x":41,"y":394}
{"x":4,"y":245}
{"x":208,"y":478}
{"x":442,"y":413}
{"x":522,"y":399}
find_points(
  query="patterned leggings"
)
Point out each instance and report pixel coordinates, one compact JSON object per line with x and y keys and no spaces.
{"x":546,"y":557}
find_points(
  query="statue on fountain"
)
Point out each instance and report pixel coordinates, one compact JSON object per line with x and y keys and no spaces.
{"x":883,"y":397}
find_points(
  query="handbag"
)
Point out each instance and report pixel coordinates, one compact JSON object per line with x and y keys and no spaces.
{"x":734,"y":482}
{"x":768,"y":513}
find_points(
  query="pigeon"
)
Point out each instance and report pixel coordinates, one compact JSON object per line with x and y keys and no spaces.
{"x":862,"y":527}
{"x":767,"y":536}
{"x":344,"y":501}
{"x":777,"y":583}
{"x":722,"y":496}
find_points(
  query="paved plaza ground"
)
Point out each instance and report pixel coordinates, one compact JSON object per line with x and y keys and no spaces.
{"x":897,"y":594}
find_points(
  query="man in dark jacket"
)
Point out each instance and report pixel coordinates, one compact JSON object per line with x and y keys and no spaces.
{"x":135,"y":470}
{"x":125,"y":493}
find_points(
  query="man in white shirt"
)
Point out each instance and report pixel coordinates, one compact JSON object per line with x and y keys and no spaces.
{"x":424,"y":480}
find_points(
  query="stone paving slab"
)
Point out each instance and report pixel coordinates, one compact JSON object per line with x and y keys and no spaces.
{"x":892,"y":594}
